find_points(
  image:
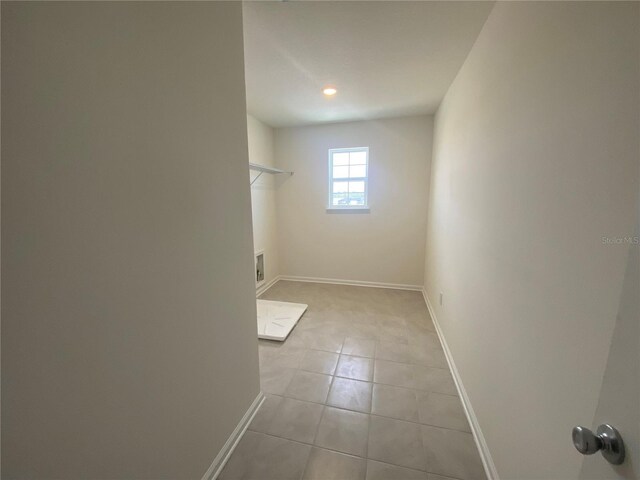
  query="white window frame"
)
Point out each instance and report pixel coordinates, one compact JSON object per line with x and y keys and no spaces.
{"x":330,"y":205}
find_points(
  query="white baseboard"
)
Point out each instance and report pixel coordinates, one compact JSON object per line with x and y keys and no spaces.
{"x":356,"y":283}
{"x":225,"y":453}
{"x":483,"y":448}
{"x":266,"y":286}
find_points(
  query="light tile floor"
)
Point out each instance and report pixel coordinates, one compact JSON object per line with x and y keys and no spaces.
{"x":359,"y":391}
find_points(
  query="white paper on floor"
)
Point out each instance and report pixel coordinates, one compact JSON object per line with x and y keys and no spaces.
{"x":277,"y":319}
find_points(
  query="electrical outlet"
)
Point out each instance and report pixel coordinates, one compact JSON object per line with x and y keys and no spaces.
{"x":441,"y":298}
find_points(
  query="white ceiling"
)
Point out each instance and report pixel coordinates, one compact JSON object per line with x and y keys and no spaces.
{"x":386,"y":59}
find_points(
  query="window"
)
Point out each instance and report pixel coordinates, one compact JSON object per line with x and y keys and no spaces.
{"x":348,"y":177}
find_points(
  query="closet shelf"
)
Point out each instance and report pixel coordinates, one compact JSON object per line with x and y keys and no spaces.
{"x":262,"y":169}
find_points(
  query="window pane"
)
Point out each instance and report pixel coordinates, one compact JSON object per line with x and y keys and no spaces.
{"x":358,"y":171}
{"x":358,"y":157}
{"x":347,"y":167}
{"x":340,"y":172}
{"x":357,"y":187}
{"x":340,"y":187}
{"x":356,"y":199}
{"x":340,"y":199}
{"x":341,"y":158}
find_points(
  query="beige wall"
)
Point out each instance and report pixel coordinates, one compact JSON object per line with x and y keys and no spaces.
{"x":128,"y":312}
{"x":385,"y":245}
{"x":535,"y":160}
{"x":263,"y":197}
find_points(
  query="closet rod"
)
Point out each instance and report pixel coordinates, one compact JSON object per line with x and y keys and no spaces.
{"x":262,"y":169}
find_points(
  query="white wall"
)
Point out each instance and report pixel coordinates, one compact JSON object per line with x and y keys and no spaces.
{"x":263,"y":197}
{"x":619,"y":401}
{"x":385,"y":245}
{"x":128,"y":312}
{"x":535,"y":160}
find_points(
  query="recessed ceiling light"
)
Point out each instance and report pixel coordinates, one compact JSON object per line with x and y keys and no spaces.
{"x":329,"y":91}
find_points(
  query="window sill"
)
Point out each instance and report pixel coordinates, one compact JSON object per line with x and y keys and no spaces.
{"x":353,"y":210}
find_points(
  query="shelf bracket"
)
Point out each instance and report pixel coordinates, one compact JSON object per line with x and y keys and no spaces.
{"x":257,"y":177}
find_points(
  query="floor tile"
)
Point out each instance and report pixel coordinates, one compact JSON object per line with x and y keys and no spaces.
{"x":319,"y":361}
{"x":419,"y":321}
{"x":385,"y":471}
{"x":396,"y":442}
{"x":429,"y":358}
{"x":275,"y":380}
{"x":350,"y":394}
{"x":263,"y":457}
{"x":265,"y":414}
{"x":426,"y":341}
{"x":328,"y":465}
{"x":394,"y":402}
{"x":452,"y":453}
{"x":295,"y":340}
{"x":266,"y":353}
{"x":413,"y":330}
{"x":308,"y":386}
{"x":362,"y":347}
{"x":239,"y":464}
{"x":364,"y":330}
{"x":344,"y":431}
{"x":325,"y":332}
{"x":296,"y":420}
{"x":394,"y":334}
{"x":434,"y":380}
{"x":442,"y":411}
{"x":393,"y":373}
{"x":357,"y":368}
{"x":324,"y":342}
{"x":269,"y":346}
{"x":341,"y":324}
{"x":395,"y":352}
{"x":285,"y":358}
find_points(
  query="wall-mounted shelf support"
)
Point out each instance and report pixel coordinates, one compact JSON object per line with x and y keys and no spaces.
{"x":262,"y":169}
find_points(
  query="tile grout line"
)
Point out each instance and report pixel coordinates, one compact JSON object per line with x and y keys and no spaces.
{"x":373,"y":376}
{"x":375,"y":358}
{"x":324,"y":409}
{"x":370,"y":413}
{"x":373,"y":382}
{"x":366,"y":458}
{"x":412,"y":356}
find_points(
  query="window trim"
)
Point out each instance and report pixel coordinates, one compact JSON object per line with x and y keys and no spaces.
{"x":330,"y":180}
